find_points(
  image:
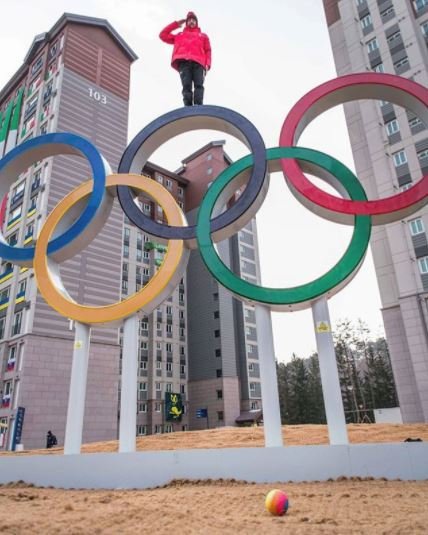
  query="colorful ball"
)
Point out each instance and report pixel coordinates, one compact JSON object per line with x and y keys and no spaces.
{"x":276,"y":502}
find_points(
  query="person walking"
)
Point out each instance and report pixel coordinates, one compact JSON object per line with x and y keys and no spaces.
{"x":51,"y":440}
{"x":191,"y":56}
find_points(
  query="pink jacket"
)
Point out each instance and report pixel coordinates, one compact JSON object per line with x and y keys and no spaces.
{"x":191,"y":44}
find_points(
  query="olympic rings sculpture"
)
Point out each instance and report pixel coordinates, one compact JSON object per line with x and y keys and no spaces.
{"x":69,"y":227}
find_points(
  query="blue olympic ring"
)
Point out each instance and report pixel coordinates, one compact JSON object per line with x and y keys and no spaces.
{"x":21,"y":157}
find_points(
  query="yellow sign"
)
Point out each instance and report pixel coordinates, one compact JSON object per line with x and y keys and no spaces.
{"x":323,"y":327}
{"x":78,"y":344}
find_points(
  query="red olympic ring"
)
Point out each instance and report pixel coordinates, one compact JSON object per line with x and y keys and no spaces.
{"x":344,"y":89}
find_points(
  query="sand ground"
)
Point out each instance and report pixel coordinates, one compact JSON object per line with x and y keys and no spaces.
{"x":225,"y":507}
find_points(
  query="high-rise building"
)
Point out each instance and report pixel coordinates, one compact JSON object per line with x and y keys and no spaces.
{"x":224,"y":376}
{"x":390,"y":148}
{"x":200,"y":344}
{"x":74,"y":78}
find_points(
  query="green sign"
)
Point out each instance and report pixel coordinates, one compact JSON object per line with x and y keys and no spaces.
{"x":173,"y":407}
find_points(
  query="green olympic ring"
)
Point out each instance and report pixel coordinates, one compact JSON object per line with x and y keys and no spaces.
{"x":296,"y":298}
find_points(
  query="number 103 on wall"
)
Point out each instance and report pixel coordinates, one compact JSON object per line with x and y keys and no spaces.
{"x":97,"y":95}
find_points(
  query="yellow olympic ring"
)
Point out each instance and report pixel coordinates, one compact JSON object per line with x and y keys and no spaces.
{"x":150,"y":296}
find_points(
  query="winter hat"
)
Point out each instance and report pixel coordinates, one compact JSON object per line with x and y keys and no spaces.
{"x":191,"y":15}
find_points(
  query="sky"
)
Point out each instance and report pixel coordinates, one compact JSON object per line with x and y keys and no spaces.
{"x":266,"y":56}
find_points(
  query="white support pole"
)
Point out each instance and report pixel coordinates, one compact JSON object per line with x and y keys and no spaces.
{"x":268,"y":378}
{"x":128,"y":393}
{"x":329,"y":374}
{"x":77,"y":394}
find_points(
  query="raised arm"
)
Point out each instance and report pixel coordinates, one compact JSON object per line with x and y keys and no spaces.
{"x":166,"y":34}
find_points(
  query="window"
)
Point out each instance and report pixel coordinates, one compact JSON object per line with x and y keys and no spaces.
{"x":159,"y":178}
{"x":4,"y":295}
{"x":2,"y":327}
{"x":209,"y":171}
{"x":141,"y":430}
{"x":14,"y":214}
{"x":405,"y":187}
{"x":11,"y":357}
{"x":387,"y":12}
{"x":392,"y":127}
{"x":366,"y":21}
{"x":22,"y":287}
{"x":416,"y":226}
{"x":168,"y":183}
{"x":52,"y":51}
{"x":143,"y":387}
{"x":169,"y":366}
{"x":157,"y":407}
{"x":254,"y":405}
{"x":182,"y":332}
{"x":146,"y":207}
{"x":158,"y":386}
{"x":414,"y":122}
{"x":400,"y":158}
{"x":143,"y":365}
{"x":219,"y":394}
{"x":379,"y":68}
{"x":182,"y":369}
{"x":126,"y":251}
{"x":37,"y":65}
{"x":251,"y":367}
{"x":219,"y":373}
{"x":217,"y":333}
{"x":218,"y":352}
{"x":158,"y":429}
{"x":168,"y":387}
{"x":142,"y":407}
{"x":423,"y":155}
{"x":394,"y":36}
{"x":420,"y":4}
{"x":216,"y":314}
{"x":158,"y":365}
{"x":17,"y":320}
{"x":169,"y":328}
{"x":423,"y":265}
{"x":169,"y":348}
{"x":220,"y":416}
{"x":168,"y":428}
{"x":253,"y":387}
{"x":424,"y":28}
{"x":215,"y":296}
{"x":144,"y":327}
{"x":182,"y":389}
{"x":402,"y":63}
{"x":13,"y":239}
{"x":209,"y":157}
{"x":124,"y":285}
{"x":180,"y":191}
{"x":146,"y":255}
{"x":372,"y":45}
{"x":18,"y":189}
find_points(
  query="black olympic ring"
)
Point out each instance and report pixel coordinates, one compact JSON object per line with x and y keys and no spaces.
{"x":183,"y":120}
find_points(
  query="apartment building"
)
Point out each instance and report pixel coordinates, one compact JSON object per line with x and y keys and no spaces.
{"x":390,"y":148}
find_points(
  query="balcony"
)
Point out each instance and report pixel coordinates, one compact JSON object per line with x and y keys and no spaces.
{"x":151,"y":245}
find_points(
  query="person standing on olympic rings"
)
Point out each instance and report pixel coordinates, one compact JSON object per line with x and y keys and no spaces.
{"x":191,"y":56}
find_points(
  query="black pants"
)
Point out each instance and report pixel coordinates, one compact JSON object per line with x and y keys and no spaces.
{"x":192,"y":75}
